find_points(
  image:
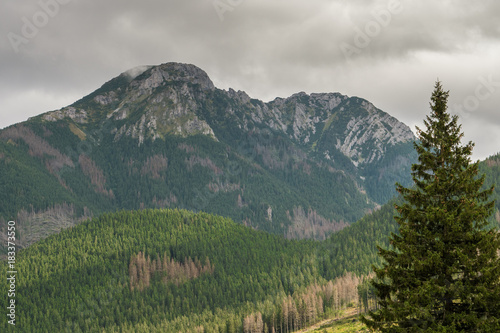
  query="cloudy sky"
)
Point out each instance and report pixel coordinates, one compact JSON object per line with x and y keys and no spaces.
{"x":390,"y":52}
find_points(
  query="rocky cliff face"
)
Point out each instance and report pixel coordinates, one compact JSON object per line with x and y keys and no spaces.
{"x":148,"y":102}
{"x":355,"y":124}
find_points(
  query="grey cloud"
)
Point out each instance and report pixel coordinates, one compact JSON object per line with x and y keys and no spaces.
{"x":267,"y":48}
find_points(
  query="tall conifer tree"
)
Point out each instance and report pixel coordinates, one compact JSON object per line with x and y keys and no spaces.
{"x":442,"y":273}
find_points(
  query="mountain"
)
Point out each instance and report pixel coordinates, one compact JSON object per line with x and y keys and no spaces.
{"x":165,"y":136}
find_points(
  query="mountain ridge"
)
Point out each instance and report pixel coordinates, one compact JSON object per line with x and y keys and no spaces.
{"x":165,"y":136}
{"x":147,"y":78}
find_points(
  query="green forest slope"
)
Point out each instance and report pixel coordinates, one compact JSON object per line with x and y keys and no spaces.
{"x":92,"y":276}
{"x":80,"y":280}
{"x":355,"y":246}
{"x":174,"y":270}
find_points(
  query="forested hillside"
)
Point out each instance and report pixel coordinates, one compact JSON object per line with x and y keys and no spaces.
{"x":491,"y":168}
{"x":355,"y":246}
{"x":174,"y":270}
{"x":171,"y":271}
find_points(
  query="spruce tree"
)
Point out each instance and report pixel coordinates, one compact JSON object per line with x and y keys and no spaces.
{"x":442,"y":271}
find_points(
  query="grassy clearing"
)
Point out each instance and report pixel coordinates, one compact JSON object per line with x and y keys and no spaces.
{"x":347,"y":325}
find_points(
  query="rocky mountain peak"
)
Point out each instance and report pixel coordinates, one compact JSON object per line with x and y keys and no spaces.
{"x":180,"y":99}
{"x":157,"y":76}
{"x":161,"y":100}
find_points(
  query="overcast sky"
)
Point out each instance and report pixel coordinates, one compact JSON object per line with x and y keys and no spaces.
{"x":53,"y":52}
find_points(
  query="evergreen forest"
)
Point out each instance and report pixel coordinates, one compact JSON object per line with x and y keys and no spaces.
{"x":171,"y":270}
